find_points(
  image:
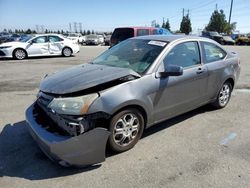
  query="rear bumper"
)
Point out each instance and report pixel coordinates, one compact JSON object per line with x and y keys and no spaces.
{"x":86,"y":149}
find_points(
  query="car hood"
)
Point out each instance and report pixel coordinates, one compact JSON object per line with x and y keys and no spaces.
{"x":14,"y":43}
{"x":81,"y":77}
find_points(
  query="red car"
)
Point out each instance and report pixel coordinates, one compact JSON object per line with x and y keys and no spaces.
{"x":123,"y":33}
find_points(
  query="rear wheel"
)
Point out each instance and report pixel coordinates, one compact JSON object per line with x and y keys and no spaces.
{"x":19,"y":54}
{"x":223,"y":96}
{"x":126,"y":129}
{"x":66,"y":52}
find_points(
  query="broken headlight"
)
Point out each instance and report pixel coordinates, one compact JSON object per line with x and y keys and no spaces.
{"x":72,"y":105}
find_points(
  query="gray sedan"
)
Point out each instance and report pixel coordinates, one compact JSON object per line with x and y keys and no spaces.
{"x":136,"y":84}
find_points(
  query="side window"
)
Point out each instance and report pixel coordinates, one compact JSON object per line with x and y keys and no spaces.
{"x":141,"y":32}
{"x":186,"y":54}
{"x":41,"y":39}
{"x":212,"y":52}
{"x":55,"y":39}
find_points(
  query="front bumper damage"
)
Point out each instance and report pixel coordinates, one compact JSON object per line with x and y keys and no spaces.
{"x":82,"y":150}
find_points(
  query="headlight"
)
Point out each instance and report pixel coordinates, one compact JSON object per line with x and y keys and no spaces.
{"x":3,"y":47}
{"x":72,"y":105}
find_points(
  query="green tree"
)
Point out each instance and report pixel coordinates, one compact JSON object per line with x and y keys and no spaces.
{"x":167,"y":25}
{"x":93,"y":32}
{"x":163,"y":23}
{"x":28,"y":31}
{"x":185,"y":26}
{"x":219,"y":23}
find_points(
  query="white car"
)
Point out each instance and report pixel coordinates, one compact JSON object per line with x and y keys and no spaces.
{"x":39,"y":45}
{"x":76,"y":37}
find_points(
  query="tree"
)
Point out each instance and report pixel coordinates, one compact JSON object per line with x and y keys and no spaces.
{"x":28,"y":31}
{"x":163,"y":23}
{"x":185,"y":26}
{"x":218,"y":23}
{"x":167,"y":25}
{"x":93,"y":32}
{"x":88,"y":32}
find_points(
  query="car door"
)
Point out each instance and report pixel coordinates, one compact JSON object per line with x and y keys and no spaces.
{"x":179,"y":94}
{"x":56,"y":45}
{"x":38,"y":46}
{"x":214,"y":60}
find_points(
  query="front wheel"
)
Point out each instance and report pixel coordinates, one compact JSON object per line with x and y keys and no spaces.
{"x":126,"y":129}
{"x":223,"y":96}
{"x":66,"y":52}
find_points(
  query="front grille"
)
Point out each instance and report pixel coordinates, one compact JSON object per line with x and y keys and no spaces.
{"x":46,"y":122}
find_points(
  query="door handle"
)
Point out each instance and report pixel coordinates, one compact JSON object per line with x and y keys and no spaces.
{"x":200,"y":70}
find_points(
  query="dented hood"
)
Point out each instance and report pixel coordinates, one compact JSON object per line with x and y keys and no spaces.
{"x":82,"y":77}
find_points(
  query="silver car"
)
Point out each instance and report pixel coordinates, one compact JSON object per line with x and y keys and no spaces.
{"x":136,"y":84}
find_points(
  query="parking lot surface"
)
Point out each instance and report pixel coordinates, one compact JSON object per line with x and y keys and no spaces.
{"x":202,"y":148}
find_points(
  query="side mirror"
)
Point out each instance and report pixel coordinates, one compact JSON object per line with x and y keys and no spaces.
{"x":30,"y":42}
{"x":171,"y":70}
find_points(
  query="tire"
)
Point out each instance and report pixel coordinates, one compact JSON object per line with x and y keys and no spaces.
{"x":224,"y":96}
{"x":66,"y":52}
{"x":125,"y":133}
{"x":19,"y":54}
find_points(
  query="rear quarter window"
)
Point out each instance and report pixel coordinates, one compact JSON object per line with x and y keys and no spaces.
{"x":212,"y":52}
{"x":123,"y":34}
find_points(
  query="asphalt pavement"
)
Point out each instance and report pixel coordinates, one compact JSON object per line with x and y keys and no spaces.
{"x":202,"y":148}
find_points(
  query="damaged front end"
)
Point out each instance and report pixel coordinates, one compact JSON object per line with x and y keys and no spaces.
{"x":61,"y":125}
{"x":61,"y":139}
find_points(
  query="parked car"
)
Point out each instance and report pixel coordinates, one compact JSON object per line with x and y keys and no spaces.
{"x":76,"y":37}
{"x":136,"y":84}
{"x":228,"y":40}
{"x":39,"y":45}
{"x":107,"y":40}
{"x":242,"y":40}
{"x":213,"y":35}
{"x":94,"y":39}
{"x":123,"y":33}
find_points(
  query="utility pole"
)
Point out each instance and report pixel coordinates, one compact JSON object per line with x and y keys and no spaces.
{"x":75,"y":27}
{"x":70,"y":27}
{"x":230,"y":14}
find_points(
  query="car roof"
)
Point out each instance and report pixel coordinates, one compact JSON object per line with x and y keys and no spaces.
{"x":170,"y":38}
{"x":137,"y":27}
{"x":47,"y":34}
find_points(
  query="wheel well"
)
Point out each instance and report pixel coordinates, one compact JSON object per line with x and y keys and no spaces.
{"x":20,"y":49}
{"x":231,"y":81}
{"x":141,"y":109}
{"x":68,"y":47}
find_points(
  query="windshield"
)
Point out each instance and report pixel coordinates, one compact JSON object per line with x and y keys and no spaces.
{"x":25,"y":38}
{"x":91,"y":36}
{"x":136,"y":54}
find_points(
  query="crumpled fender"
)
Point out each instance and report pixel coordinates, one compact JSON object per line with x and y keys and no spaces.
{"x":83,"y":150}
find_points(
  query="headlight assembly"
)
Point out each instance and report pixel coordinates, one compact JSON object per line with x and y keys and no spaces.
{"x":72,"y":105}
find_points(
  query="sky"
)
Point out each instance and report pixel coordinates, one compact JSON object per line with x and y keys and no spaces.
{"x":100,"y":15}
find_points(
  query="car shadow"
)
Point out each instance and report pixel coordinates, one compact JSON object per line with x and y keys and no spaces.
{"x":21,"y":157}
